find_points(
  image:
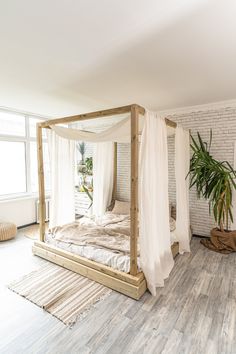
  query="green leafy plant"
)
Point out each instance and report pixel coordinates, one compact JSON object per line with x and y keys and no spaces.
{"x":214,"y":181}
{"x":85,"y":169}
{"x":88,"y":194}
{"x":81,"y":147}
{"x":89,"y":165}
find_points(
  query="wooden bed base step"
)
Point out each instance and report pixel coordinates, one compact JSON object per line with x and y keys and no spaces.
{"x":132,"y":286}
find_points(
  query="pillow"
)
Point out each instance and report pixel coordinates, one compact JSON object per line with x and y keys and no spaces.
{"x":121,"y":208}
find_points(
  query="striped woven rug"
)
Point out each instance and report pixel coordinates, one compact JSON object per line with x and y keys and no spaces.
{"x":64,"y":294}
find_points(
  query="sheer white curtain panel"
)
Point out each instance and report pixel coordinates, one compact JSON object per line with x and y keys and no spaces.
{"x":155,"y":244}
{"x":103,"y":171}
{"x":62,"y":164}
{"x":182,"y":161}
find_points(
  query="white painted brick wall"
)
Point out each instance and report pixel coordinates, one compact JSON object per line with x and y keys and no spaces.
{"x":123,"y":172}
{"x":223,"y":124}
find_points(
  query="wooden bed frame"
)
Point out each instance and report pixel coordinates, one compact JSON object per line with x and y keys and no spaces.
{"x":134,"y":283}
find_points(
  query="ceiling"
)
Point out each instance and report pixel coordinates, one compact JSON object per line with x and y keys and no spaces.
{"x":62,"y":57}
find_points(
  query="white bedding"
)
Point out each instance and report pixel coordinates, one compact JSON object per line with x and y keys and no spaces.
{"x":105,"y":240}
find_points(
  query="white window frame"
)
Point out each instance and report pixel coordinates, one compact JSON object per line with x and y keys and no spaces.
{"x":27,"y":139}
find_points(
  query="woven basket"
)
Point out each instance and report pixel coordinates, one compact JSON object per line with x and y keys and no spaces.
{"x":7,"y":231}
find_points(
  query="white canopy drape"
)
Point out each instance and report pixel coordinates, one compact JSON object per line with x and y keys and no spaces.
{"x":182,"y":160}
{"x":103,"y":170}
{"x":62,"y":158}
{"x":119,"y":132}
{"x":155,"y":245}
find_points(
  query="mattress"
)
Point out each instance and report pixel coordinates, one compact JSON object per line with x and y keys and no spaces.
{"x":115,"y":254}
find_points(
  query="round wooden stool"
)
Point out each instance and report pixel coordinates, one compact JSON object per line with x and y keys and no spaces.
{"x":8,"y":231}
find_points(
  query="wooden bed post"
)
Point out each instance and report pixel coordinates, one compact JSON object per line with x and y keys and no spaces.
{"x":134,"y":190}
{"x":41,"y":182}
{"x":114,"y":173}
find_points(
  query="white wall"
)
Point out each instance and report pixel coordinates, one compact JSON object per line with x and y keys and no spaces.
{"x":19,"y":211}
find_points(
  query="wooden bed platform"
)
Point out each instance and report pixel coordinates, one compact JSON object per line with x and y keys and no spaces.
{"x":133,"y":284}
{"x":127,"y":284}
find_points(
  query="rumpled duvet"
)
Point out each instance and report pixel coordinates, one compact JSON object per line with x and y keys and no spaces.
{"x":111,"y":232}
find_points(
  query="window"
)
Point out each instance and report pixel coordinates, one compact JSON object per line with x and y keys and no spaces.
{"x":13,"y":168}
{"x":12,"y":124}
{"x":18,"y":155}
{"x":34,"y":166}
{"x":32,"y":127}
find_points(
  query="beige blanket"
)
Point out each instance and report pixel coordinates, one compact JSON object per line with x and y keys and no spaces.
{"x":110,"y":232}
{"x":109,"y":220}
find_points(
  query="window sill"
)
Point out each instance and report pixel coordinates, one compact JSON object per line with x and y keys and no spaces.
{"x":22,"y":196}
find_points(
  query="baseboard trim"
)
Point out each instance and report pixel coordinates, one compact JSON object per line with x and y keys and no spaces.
{"x":22,"y":226}
{"x":200,"y":236}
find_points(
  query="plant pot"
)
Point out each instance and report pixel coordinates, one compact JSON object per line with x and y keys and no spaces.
{"x":81,"y":167}
{"x":223,"y":242}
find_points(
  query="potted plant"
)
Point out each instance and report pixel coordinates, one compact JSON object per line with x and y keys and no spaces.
{"x":87,"y":186}
{"x":81,"y":147}
{"x":85,"y":173}
{"x":214,"y":181}
{"x":89,"y":165}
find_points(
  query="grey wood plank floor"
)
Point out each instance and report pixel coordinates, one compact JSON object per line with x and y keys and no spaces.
{"x":194,"y":313}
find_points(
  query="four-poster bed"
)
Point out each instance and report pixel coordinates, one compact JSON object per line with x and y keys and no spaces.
{"x":132,"y":284}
